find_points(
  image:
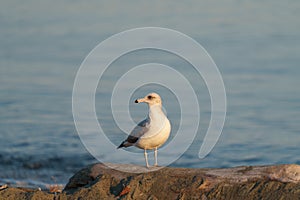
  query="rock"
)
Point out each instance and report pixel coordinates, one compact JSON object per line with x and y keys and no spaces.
{"x":257,"y":182}
{"x":23,"y":193}
{"x":2,"y":187}
{"x":101,"y":181}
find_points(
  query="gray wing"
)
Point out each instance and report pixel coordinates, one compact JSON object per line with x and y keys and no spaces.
{"x":136,"y":133}
{"x":140,"y":129}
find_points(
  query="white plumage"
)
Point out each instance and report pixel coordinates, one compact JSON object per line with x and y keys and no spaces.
{"x":152,"y":132}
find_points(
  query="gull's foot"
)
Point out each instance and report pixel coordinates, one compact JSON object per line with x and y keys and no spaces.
{"x":151,"y":167}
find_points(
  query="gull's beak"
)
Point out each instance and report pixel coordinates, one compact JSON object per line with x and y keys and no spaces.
{"x":139,"y":100}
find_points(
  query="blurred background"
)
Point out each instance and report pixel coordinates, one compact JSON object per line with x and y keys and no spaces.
{"x":255,"y":44}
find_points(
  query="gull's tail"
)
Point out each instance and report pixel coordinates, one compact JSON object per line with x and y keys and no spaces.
{"x":121,"y":145}
{"x":128,"y":142}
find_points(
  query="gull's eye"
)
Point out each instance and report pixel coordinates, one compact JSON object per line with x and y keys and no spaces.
{"x":149,"y":97}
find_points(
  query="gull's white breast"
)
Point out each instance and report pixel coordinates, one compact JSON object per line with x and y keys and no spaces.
{"x":157,"y":134}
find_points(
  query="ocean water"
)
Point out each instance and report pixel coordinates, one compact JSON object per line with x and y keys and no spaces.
{"x":255,"y":45}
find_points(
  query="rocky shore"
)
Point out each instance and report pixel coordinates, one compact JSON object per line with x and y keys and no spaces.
{"x":99,"y":181}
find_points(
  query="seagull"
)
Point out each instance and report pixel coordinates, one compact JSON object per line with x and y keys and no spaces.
{"x":152,"y":132}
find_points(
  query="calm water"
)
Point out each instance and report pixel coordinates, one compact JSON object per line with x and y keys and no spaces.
{"x":255,"y":44}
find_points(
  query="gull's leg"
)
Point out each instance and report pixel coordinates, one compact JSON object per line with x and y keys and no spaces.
{"x":155,"y":156}
{"x":146,"y":158}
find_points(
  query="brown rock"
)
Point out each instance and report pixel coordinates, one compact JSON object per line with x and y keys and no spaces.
{"x":258,"y":182}
{"x":101,"y":181}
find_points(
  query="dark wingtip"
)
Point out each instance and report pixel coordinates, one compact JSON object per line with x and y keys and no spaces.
{"x":121,"y":145}
{"x":136,"y":101}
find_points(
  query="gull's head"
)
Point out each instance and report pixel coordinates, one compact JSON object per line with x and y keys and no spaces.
{"x":150,"y":99}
